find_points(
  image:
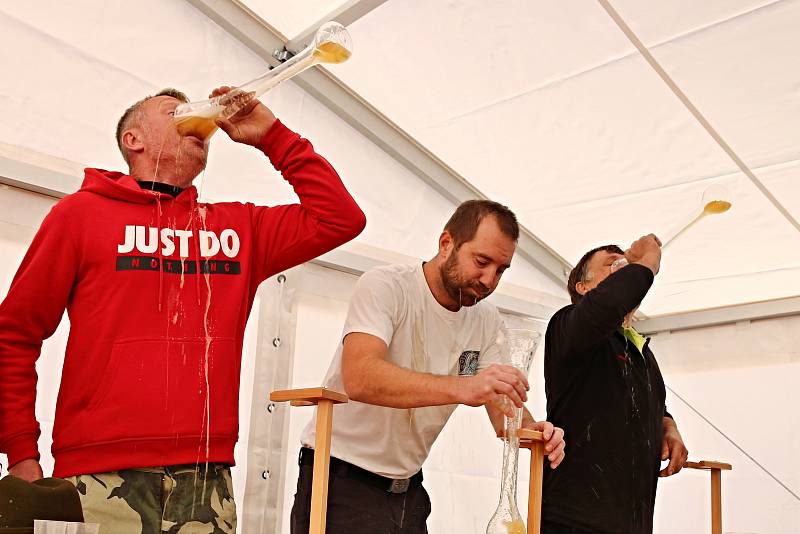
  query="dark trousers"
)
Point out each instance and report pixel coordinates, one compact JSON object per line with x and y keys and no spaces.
{"x":356,"y":506}
{"x":557,"y":528}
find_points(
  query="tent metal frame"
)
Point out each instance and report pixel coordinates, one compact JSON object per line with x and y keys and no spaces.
{"x":755,"y":311}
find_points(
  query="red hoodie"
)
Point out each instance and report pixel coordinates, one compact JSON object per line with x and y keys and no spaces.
{"x":151,"y":372}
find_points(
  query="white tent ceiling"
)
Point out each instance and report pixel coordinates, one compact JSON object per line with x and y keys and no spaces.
{"x":546,"y":106}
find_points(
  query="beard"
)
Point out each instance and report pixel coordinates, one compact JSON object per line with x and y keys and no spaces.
{"x":455,"y":285}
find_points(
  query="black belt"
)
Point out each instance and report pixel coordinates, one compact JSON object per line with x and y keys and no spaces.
{"x":346,"y":469}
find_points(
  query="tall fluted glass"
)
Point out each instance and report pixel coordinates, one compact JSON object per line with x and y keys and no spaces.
{"x":518,"y":346}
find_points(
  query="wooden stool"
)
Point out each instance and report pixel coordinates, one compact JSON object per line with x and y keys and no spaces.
{"x":533,"y":440}
{"x":324,"y":399}
{"x":716,"y":469}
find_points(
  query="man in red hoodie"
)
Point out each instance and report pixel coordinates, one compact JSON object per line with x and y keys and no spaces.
{"x":158,"y":288}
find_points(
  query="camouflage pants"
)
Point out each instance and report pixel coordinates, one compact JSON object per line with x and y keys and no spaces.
{"x":181,"y":499}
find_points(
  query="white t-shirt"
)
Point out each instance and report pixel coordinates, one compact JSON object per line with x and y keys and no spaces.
{"x":395,"y":304}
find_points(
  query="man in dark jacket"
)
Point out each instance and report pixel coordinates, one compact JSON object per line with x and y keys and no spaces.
{"x":604,"y":388}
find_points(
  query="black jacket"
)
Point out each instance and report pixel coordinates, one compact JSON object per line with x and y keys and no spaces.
{"x":609,"y":399}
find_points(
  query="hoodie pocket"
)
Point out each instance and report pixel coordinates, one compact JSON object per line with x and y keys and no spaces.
{"x":155,"y":388}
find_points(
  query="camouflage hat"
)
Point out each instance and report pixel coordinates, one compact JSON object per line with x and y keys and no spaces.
{"x":21,"y":502}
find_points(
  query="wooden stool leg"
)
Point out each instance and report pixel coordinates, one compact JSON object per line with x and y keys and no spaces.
{"x":324,"y":399}
{"x":716,"y":501}
{"x":535,"y":488}
{"x":716,"y":468}
{"x":322,"y":459}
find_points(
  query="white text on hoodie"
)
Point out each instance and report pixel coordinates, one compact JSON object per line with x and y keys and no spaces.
{"x":145,"y":239}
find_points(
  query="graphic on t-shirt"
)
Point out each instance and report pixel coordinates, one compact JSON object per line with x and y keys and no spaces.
{"x":468,"y":363}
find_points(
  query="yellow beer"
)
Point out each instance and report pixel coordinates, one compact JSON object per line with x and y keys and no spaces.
{"x":516,"y":527}
{"x":717,"y":206}
{"x":200,"y":127}
{"x":330,"y":52}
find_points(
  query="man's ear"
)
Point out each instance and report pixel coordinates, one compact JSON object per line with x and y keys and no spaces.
{"x":581,"y":288}
{"x":445,"y":244}
{"x":132,"y":140}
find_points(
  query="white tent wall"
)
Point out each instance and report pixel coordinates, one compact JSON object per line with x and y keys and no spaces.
{"x":743,"y":378}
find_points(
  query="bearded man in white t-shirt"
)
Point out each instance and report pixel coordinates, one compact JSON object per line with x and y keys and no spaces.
{"x":418,"y":341}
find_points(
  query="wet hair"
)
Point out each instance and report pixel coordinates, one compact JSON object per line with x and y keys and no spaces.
{"x":463,"y":224}
{"x":580,"y":273}
{"x":132,"y":115}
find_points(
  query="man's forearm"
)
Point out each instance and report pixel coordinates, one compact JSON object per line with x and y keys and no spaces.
{"x":668,"y":422}
{"x":316,"y":183}
{"x":651,"y":261}
{"x":385,"y":384}
{"x":326,"y":217}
